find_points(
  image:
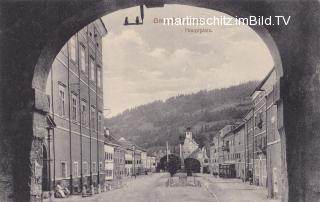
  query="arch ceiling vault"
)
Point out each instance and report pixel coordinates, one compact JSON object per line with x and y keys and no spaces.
{"x":32,"y":33}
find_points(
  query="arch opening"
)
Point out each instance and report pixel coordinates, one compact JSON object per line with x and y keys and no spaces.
{"x":40,"y":72}
{"x":64,"y":31}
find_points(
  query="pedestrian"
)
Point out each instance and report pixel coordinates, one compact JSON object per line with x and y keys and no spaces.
{"x":59,"y":191}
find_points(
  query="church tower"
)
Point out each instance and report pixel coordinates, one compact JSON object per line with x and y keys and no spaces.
{"x":189,"y":133}
{"x":189,"y":145}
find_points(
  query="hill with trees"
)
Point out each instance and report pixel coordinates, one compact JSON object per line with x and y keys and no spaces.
{"x":151,"y":125}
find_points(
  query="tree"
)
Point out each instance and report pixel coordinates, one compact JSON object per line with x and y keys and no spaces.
{"x":174,"y":164}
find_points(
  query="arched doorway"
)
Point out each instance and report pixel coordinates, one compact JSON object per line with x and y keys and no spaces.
{"x":192,"y":165}
{"x":31,"y":44}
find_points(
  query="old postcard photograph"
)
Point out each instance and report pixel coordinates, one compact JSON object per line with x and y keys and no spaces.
{"x":159,"y":101}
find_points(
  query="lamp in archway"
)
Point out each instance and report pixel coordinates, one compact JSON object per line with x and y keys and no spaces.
{"x":137,"y":21}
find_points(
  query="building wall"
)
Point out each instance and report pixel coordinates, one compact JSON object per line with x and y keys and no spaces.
{"x":273,"y":149}
{"x":109,"y":161}
{"x":228,"y":151}
{"x":152,"y":164}
{"x":144,"y":160}
{"x":260,"y":128}
{"x":249,"y":141}
{"x":255,"y":148}
{"x":119,"y":162}
{"x":68,"y":88}
{"x":137,"y":162}
{"x":239,"y":151}
{"x":260,"y":175}
{"x":128,"y":162}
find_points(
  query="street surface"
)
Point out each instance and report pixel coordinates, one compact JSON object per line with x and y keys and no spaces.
{"x":234,"y":190}
{"x":152,"y":188}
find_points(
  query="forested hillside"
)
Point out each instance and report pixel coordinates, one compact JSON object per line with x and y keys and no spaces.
{"x":151,"y":125}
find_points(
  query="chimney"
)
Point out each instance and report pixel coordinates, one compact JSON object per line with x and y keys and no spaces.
{"x":106,"y":131}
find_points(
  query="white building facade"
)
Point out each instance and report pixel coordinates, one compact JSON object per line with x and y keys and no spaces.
{"x":108,"y":162}
{"x":189,"y":145}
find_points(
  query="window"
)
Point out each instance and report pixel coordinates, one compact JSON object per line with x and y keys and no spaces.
{"x":75,"y":169}
{"x":259,"y":120}
{"x":99,"y":77}
{"x":82,"y":58}
{"x":93,"y":118}
{"x":63,"y":169}
{"x":85,"y":168}
{"x":62,"y":110}
{"x":94,"y":167}
{"x":72,"y":48}
{"x":74,"y":107}
{"x":92,"y":69}
{"x":100,"y":166}
{"x":108,"y":156}
{"x":109,"y":173}
{"x":83,"y":112}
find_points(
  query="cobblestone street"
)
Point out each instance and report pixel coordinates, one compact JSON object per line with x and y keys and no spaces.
{"x":152,"y":188}
{"x":234,"y":190}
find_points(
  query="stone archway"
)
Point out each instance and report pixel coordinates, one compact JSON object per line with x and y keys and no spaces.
{"x":32,"y":34}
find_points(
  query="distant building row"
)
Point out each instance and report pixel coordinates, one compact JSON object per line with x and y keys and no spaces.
{"x":251,"y":150}
{"x":124,"y":159}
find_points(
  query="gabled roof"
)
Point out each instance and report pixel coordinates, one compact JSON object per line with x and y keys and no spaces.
{"x":238,"y":127}
{"x":258,"y":88}
{"x":111,"y":140}
{"x":129,"y":145}
{"x":125,"y":143}
{"x":101,"y":27}
{"x":195,"y":153}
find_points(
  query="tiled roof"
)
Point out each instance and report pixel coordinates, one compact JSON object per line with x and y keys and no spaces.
{"x":129,"y":145}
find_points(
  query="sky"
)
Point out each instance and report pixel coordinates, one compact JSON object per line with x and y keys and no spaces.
{"x":154,"y":62}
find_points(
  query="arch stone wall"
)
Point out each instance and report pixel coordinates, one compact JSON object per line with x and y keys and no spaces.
{"x":32,"y":33}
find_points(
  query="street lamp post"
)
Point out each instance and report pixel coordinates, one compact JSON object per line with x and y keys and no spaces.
{"x":134,"y":159}
{"x":51,"y":126}
{"x":181,"y":138}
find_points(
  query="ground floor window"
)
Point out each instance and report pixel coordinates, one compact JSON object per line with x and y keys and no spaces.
{"x":109,"y":173}
{"x":63,"y":169}
{"x":76,"y":169}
